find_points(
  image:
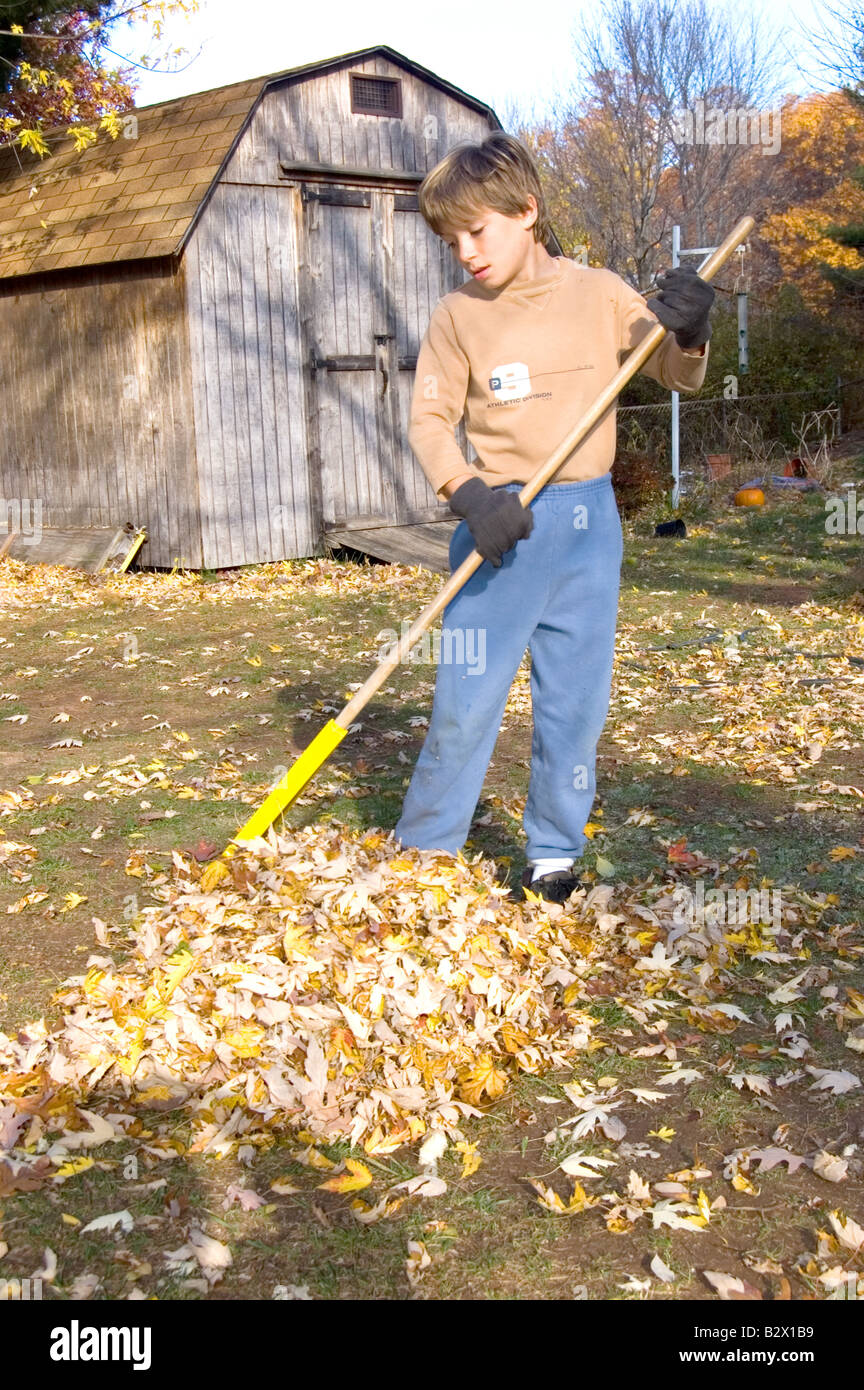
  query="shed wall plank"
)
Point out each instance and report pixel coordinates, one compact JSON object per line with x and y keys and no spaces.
{"x":249,"y":411}
{"x":98,"y":431}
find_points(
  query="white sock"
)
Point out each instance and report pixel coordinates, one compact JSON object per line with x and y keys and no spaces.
{"x":548,"y":866}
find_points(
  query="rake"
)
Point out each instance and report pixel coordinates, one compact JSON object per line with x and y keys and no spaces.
{"x":323,"y":744}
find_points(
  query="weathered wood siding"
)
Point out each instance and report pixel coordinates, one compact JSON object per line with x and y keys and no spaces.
{"x":374,"y":272}
{"x":96,"y":422}
{"x":311,"y":120}
{"x":184,"y":399}
{"x":276,"y":281}
{"x":250,"y":422}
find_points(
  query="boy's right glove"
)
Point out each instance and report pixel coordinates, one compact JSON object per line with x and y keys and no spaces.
{"x":496,"y":520}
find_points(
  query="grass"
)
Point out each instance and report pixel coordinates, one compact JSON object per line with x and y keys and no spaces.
{"x":487,"y":1236}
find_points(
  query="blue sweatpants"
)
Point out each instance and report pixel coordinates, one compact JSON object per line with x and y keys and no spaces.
{"x":556,"y":593}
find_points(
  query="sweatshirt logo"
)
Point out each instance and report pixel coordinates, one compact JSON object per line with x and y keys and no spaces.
{"x":510,"y":382}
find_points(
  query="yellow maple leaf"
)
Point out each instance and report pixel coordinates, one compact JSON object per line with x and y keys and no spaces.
{"x":380,"y":1143}
{"x":73,"y":1166}
{"x":154,"y":1093}
{"x":354,"y":1180}
{"x":180,"y":968}
{"x":92,"y":980}
{"x":295,"y":940}
{"x":213,"y":875}
{"x":579,"y":1199}
{"x":619,"y":1225}
{"x":842,"y":852}
{"x":548,"y":1197}
{"x":471,"y":1159}
{"x":743,"y":1184}
{"x":245,"y":1041}
{"x":512,"y":1037}
{"x":665,"y":1133}
{"x":484,"y":1076}
{"x":854,"y":1006}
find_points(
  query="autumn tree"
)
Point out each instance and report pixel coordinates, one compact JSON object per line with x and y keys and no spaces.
{"x":616,"y":159}
{"x":29,"y":16}
{"x":843,"y":56}
{"x":57,"y":79}
{"x":806,"y":194}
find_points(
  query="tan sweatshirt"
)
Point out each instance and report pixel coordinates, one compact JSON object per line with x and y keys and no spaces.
{"x":523,"y":364}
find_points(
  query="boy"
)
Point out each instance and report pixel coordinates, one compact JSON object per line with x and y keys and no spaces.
{"x":522,"y":349}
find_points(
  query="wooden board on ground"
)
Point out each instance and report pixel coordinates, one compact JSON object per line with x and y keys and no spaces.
{"x":88,"y":548}
{"x":420,"y":544}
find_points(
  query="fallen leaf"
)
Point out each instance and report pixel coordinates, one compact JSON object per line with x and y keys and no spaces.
{"x":769,"y":1158}
{"x":830,"y":1167}
{"x":837,"y":1082}
{"x":357,"y":1177}
{"x":661,"y":1271}
{"x":123,"y":1219}
{"x":847,"y":1231}
{"x":730,"y":1288}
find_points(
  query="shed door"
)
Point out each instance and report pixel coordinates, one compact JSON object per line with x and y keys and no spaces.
{"x":374,"y":272}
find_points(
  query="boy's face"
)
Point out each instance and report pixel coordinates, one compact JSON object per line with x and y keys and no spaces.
{"x":494,"y":247}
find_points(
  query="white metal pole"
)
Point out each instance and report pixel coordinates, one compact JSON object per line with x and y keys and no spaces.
{"x":677,"y":252}
{"x":676,"y":438}
{"x":743,"y":346}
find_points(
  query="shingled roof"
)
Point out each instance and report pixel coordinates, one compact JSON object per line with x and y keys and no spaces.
{"x":119,"y":199}
{"x":125,"y":199}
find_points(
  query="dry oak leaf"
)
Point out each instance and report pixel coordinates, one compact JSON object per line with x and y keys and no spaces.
{"x":23,"y":1179}
{"x":769,"y":1158}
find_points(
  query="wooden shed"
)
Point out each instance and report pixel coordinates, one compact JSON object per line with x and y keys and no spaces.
{"x":209,"y":326}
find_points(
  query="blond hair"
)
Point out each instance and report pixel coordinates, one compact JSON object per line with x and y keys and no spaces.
{"x":498,"y":174}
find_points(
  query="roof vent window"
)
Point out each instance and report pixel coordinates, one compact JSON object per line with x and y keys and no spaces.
{"x":376,"y":96}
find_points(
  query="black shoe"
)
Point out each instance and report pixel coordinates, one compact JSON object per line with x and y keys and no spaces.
{"x":555,"y":887}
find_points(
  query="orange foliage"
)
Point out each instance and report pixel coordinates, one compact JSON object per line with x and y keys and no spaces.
{"x":812,"y":188}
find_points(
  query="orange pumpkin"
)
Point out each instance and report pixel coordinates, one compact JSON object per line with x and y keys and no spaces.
{"x":749,"y":497}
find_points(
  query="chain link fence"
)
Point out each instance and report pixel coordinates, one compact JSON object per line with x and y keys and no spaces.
{"x":765,"y":427}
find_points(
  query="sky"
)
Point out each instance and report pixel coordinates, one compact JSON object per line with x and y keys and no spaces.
{"x":491,"y":51}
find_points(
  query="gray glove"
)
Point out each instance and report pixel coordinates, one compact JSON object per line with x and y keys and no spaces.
{"x":496,"y":520}
{"x":682,"y":305}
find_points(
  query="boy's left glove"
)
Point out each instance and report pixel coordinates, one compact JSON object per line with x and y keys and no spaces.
{"x":683,"y":304}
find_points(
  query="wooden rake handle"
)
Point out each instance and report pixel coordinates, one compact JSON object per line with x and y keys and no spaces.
{"x":335,"y":730}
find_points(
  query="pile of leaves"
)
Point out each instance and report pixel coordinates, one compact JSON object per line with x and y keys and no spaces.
{"x":329,"y":984}
{"x":335,"y":987}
